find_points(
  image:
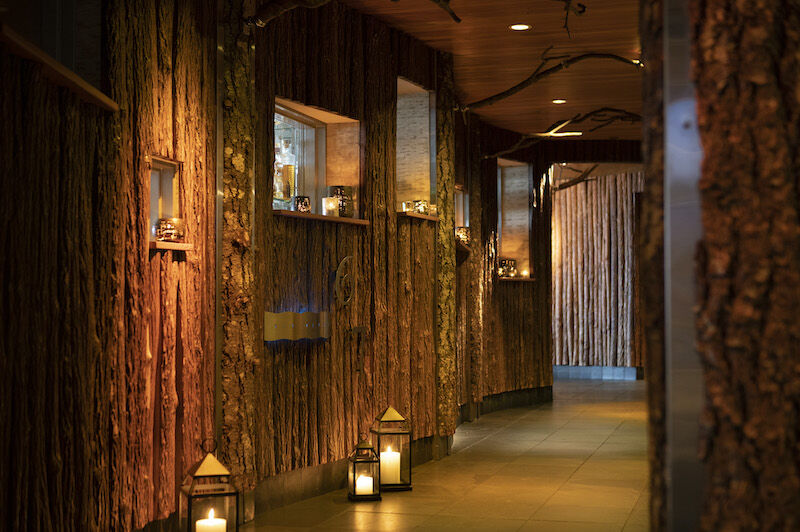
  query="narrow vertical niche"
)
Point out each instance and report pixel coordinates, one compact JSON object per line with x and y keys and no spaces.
{"x":166,"y":222}
{"x":416,"y":138}
{"x":513,"y":224}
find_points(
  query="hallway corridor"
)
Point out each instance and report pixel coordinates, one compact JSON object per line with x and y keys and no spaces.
{"x":576,"y":465}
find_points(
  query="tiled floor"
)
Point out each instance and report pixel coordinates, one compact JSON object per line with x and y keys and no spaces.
{"x":578,"y":465}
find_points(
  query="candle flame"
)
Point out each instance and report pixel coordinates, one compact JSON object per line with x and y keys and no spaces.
{"x":389,"y":449}
{"x":211,"y":514}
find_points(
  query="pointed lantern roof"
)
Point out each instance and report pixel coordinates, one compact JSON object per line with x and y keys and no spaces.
{"x":390,"y":415}
{"x":209,"y":467}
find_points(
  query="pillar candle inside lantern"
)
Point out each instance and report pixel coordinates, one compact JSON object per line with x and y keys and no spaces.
{"x":364,"y":485}
{"x":330,"y":206}
{"x":211,"y":524}
{"x":390,"y":467}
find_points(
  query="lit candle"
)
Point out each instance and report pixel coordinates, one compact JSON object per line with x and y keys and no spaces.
{"x":211,"y":524}
{"x":364,"y":485}
{"x":390,"y":466}
{"x":330,"y":206}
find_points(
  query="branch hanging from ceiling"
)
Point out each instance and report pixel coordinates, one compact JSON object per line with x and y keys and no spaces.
{"x":542,"y":71}
{"x":602,"y":117}
{"x":578,"y":180}
{"x":275,"y":8}
{"x":445,"y":4}
{"x":579,"y":9}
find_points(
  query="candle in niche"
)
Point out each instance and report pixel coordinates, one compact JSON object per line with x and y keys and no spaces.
{"x":330,"y":206}
{"x":390,"y":466}
{"x":364,"y":485}
{"x":212,"y":524}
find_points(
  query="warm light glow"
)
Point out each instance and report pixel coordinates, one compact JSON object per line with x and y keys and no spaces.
{"x":559,"y":101}
{"x":637,"y":62}
{"x":211,"y":514}
{"x":520,"y":27}
{"x":566,"y":134}
{"x":525,"y":273}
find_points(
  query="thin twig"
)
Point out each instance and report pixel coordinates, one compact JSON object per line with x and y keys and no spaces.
{"x":579,"y":10}
{"x":564,"y":61}
{"x":275,"y":8}
{"x":576,"y":181}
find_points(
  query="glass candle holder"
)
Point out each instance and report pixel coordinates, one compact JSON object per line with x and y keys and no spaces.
{"x":301,"y":204}
{"x":169,"y":230}
{"x":330,"y":206}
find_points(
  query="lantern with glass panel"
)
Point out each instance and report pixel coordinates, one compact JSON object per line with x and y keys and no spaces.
{"x":209,"y":502}
{"x":363,"y":474}
{"x":392,"y":436}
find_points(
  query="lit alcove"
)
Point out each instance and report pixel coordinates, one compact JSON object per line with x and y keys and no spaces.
{"x":513,"y":210}
{"x":167,"y":228}
{"x":416,"y":148}
{"x":317,"y":161}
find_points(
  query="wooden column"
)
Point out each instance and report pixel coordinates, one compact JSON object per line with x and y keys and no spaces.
{"x":446,"y":392}
{"x":746,"y":66}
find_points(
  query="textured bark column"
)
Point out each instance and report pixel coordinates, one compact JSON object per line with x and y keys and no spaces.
{"x":747,"y":71}
{"x":446,"y":391}
{"x":475,"y":294}
{"x":651,"y":251}
{"x":239,"y":358}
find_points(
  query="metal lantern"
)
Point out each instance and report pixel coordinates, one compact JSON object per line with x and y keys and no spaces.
{"x":393,"y":439}
{"x":506,"y":267}
{"x":209,"y":502}
{"x":363,"y":474}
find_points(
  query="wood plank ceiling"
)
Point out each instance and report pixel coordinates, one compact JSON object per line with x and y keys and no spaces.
{"x":489,"y":57}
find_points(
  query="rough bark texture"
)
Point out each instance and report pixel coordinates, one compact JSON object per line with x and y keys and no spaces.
{"x":593,"y":271}
{"x":651,"y":250}
{"x":746,"y":64}
{"x":446,"y":389}
{"x":240,"y":349}
{"x":317,"y":398}
{"x":112,"y":360}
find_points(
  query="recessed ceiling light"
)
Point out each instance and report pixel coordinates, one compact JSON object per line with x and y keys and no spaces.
{"x":520,"y":27}
{"x":559,"y":101}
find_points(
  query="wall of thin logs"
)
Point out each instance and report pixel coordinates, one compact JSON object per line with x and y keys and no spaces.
{"x":593,"y":271}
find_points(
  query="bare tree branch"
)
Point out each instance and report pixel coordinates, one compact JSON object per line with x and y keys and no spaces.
{"x":578,"y":180}
{"x":580,"y":9}
{"x":541,"y":72}
{"x":275,"y":8}
{"x":602,"y":117}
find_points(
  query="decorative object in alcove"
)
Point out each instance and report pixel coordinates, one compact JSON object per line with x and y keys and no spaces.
{"x":330,"y":206}
{"x":462,"y":235}
{"x":296,"y":326}
{"x":418,"y":206}
{"x":393,"y":437}
{"x":301,"y":204}
{"x":363,"y":473}
{"x":344,"y":285}
{"x":506,"y":267}
{"x":433,"y":209}
{"x":344,"y":195}
{"x":169,"y":230}
{"x":208,"y":500}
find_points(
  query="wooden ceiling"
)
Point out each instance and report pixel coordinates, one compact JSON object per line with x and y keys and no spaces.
{"x":490,"y":58}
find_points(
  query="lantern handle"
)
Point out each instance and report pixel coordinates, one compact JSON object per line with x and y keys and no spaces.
{"x":208,"y":448}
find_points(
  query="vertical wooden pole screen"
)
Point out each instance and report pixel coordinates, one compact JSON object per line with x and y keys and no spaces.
{"x":593,"y":271}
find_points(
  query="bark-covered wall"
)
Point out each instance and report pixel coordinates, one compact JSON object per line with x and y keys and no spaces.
{"x":746,"y":64}
{"x":108,"y":347}
{"x":317,"y":398}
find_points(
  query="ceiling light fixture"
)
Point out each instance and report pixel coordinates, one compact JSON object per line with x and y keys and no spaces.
{"x":559,"y":101}
{"x":520,"y":27}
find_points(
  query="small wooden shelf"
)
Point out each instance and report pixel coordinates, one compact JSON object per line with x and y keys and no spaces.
{"x":320,"y":217}
{"x":409,"y":214}
{"x":517,"y":279}
{"x":173,"y":246}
